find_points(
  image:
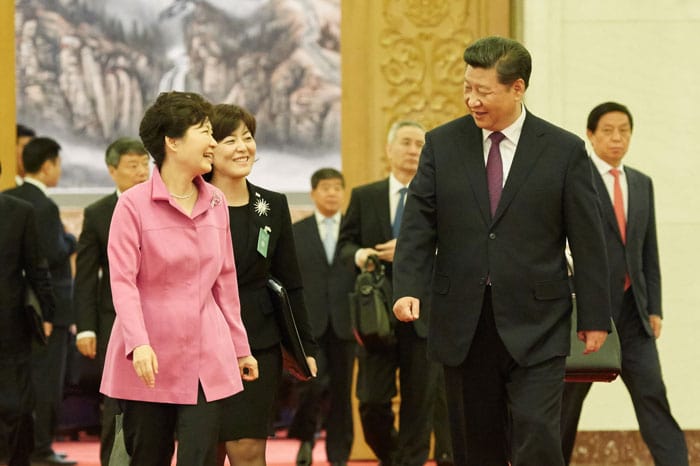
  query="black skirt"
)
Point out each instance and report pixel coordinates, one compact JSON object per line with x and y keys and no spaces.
{"x":249,"y":414}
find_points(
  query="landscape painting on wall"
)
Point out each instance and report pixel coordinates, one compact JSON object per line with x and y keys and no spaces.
{"x":87,"y":69}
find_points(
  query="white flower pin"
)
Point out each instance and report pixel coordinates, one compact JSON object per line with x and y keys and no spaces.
{"x":261,"y":206}
{"x":215,"y":200}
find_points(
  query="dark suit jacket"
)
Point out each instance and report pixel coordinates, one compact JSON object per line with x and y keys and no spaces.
{"x":20,"y":261}
{"x":252,"y":271}
{"x":447,"y":231}
{"x":639,"y":256}
{"x":367,"y":223}
{"x":94,"y":309}
{"x":56,"y":245}
{"x":326,"y":286}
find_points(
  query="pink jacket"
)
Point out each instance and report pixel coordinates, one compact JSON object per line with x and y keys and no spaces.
{"x":174,"y":287}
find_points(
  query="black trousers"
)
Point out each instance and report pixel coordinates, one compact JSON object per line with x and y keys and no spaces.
{"x":48,"y":376}
{"x":149,"y":432}
{"x":500,"y":411}
{"x":16,"y":404}
{"x":110,"y":409}
{"x":641,"y":373}
{"x":334,"y":361}
{"x":441,"y":423}
{"x":376,"y":386}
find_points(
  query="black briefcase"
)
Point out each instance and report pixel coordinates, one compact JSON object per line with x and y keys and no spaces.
{"x":602,"y":366}
{"x":294,"y":356}
{"x":371,"y":314}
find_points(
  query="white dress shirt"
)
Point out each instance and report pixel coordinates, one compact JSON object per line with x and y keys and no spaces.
{"x":508,"y":144}
{"x":394,"y":196}
{"x":604,"y":168}
{"x":320,"y":222}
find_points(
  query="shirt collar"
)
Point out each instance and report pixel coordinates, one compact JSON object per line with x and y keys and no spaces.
{"x":512,"y":132}
{"x":602,"y":166}
{"x":33,"y":181}
{"x":395,"y":185}
{"x":205,"y":192}
{"x":320,"y":217}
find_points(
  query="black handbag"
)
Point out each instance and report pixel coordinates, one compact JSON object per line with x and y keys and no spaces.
{"x":371,"y":316}
{"x":602,"y":366}
{"x":293,"y":354}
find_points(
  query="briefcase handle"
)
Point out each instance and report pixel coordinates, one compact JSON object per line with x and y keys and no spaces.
{"x":378,"y":266}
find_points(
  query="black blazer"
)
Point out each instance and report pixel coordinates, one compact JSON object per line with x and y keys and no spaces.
{"x":252,"y":271}
{"x":450,"y":247}
{"x":19,"y":261}
{"x":94,"y":309}
{"x":56,"y":245}
{"x":367,"y":223}
{"x":640,"y":255}
{"x":326,"y":286}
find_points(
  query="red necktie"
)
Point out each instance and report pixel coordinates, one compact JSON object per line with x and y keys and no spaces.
{"x":494,"y":170}
{"x":619,"y":206}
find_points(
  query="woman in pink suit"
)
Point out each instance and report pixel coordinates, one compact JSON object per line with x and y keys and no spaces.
{"x":178,"y":333}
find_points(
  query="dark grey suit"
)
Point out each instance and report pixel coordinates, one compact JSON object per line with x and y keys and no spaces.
{"x":497,"y":287}
{"x":326,"y":288}
{"x":641,"y":371}
{"x":366,"y":224}
{"x":94,"y":308}
{"x":20,"y":261}
{"x":49,"y":362}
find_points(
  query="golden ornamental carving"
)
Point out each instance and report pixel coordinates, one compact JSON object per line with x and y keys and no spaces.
{"x":426,"y":13}
{"x":421,"y":59}
{"x":423,"y":78}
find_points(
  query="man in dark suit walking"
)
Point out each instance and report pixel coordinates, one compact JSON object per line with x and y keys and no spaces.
{"x":21,"y":265}
{"x":370,"y":227}
{"x":629,"y":223}
{"x":496,"y":195}
{"x":42,"y":166}
{"x":127,"y":162}
{"x":327,"y":282}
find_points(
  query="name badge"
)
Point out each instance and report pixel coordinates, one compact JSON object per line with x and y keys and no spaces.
{"x":263,"y":241}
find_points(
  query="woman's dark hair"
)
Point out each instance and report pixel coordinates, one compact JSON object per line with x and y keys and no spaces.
{"x":171,"y":115}
{"x":226,"y":118}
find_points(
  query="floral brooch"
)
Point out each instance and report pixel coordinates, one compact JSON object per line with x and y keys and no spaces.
{"x":215,"y":200}
{"x":261,"y":206}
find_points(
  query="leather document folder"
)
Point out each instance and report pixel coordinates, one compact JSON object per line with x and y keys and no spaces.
{"x":292,"y":350}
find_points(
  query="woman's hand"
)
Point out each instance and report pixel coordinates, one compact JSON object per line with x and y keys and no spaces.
{"x":248,"y":366}
{"x":145,"y":364}
{"x":312,"y":365}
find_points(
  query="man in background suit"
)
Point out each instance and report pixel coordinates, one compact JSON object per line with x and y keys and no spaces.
{"x":327,"y":282}
{"x":369,"y":227}
{"x":20,"y":264}
{"x":42,"y":165}
{"x":496,"y":195}
{"x":127,"y":162}
{"x":627,"y":202}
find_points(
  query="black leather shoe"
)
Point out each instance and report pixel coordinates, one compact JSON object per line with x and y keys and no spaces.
{"x":304,"y":455}
{"x":52,"y":459}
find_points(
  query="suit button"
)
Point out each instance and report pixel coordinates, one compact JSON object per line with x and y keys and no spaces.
{"x":492,"y":235}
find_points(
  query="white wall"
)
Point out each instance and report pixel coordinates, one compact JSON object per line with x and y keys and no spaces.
{"x":644,"y":54}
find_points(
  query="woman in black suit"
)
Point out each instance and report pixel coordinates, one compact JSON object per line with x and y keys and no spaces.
{"x":263,"y":244}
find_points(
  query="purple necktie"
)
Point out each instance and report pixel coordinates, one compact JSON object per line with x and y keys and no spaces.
{"x":494,"y":170}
